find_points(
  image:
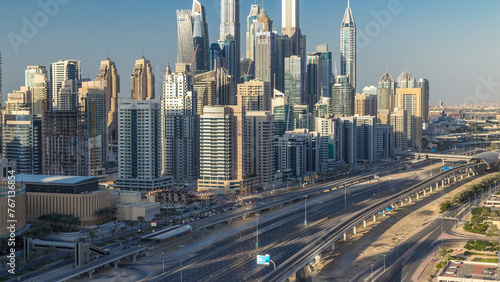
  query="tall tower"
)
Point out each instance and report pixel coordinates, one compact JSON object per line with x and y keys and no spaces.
{"x":108,"y":73}
{"x":386,"y":93}
{"x":185,"y":45}
{"x":143,"y":80}
{"x":36,"y":77}
{"x":60,"y":72}
{"x":290,"y":17}
{"x":348,"y":46}
{"x":200,"y":37}
{"x":265,"y":48}
{"x":252,"y":17}
{"x":179,"y":125}
{"x":230,"y":24}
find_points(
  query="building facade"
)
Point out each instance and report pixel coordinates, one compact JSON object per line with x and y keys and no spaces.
{"x":348,"y":47}
{"x":142,"y":80}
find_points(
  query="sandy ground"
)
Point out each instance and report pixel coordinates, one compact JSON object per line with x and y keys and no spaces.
{"x":383,"y":235}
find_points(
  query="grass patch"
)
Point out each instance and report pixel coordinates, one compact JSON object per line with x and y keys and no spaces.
{"x":490,"y":260}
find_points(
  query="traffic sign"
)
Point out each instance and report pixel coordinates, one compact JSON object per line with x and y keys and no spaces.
{"x":263,"y":259}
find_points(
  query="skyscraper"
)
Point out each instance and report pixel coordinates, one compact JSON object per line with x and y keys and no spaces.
{"x":386,"y":93}
{"x":230,"y":24}
{"x":252,"y":17}
{"x":295,"y":80}
{"x":255,"y":95}
{"x":284,"y":49}
{"x":265,"y":49}
{"x":424,"y":85}
{"x":409,"y":98}
{"x":37,"y":79}
{"x":59,"y":72}
{"x":348,"y":46}
{"x":185,"y":44}
{"x":179,"y":125}
{"x":314,"y":79}
{"x":143,"y":80}
{"x":1,"y":95}
{"x":365,"y":105}
{"x":327,"y":69}
{"x":343,"y":97}
{"x":200,"y":37}
{"x":290,"y":17}
{"x":109,"y":73}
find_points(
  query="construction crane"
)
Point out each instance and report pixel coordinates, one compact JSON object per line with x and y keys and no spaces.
{"x":194,"y":55}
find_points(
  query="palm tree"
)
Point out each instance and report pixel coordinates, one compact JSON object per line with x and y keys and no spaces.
{"x":157,"y":216}
{"x":131,"y":223}
{"x":113,"y":231}
{"x":442,"y":252}
{"x":46,"y":253}
{"x":82,"y":239}
{"x":484,"y":213}
{"x":92,"y":236}
{"x":141,"y":220}
{"x":490,"y":233}
{"x":32,"y":256}
{"x":123,"y":229}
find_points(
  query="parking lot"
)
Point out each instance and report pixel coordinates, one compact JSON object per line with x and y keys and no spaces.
{"x":472,"y":271}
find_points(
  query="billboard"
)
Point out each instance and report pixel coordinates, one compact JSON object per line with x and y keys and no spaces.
{"x":263,"y":259}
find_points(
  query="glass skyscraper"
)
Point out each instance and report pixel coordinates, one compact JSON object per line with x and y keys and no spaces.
{"x":348,"y":47}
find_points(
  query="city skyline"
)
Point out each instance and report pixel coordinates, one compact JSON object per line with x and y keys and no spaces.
{"x":392,"y":45}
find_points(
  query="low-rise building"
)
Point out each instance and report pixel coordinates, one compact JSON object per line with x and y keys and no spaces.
{"x":132,"y":204}
{"x":18,"y":194}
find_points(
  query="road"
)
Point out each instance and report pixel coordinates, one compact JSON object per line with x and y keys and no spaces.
{"x":233,"y":258}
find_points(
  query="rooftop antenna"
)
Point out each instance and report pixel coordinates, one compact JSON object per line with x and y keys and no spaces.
{"x":348,"y":3}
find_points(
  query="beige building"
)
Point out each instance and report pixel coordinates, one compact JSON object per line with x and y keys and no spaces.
{"x":131,"y":205}
{"x":255,"y":95}
{"x":365,"y":105}
{"x":411,"y":100}
{"x":383,"y":116}
{"x":18,"y":100}
{"x":399,"y":122}
{"x":108,"y":73}
{"x":20,"y":208}
{"x":142,"y":80}
{"x":82,"y":205}
{"x":205,"y":87}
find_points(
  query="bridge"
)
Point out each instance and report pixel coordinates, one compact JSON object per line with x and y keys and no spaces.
{"x":491,"y":159}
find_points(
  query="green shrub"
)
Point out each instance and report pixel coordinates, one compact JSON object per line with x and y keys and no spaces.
{"x":440,"y":264}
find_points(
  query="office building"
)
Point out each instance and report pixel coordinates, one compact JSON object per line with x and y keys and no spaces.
{"x":7,"y":166}
{"x":179,"y":125}
{"x":22,"y":141}
{"x":399,"y":122}
{"x":93,"y":98}
{"x":185,"y":43}
{"x":349,"y":140}
{"x":386,"y":93}
{"x":205,"y":88}
{"x":142,"y":83}
{"x":327,"y":69}
{"x":330,"y":127}
{"x":36,"y":78}
{"x":265,"y":49}
{"x":384,"y":142}
{"x":343,"y":97}
{"x":139,"y":146}
{"x":314,"y":79}
{"x":365,"y":104}
{"x":60,"y":72}
{"x":65,"y":143}
{"x":295,"y":74}
{"x":259,"y":158}
{"x":410,"y":98}
{"x":222,"y":138}
{"x":214,"y":56}
{"x":424,"y":85}
{"x":284,"y":49}
{"x":383,"y":116}
{"x":255,"y":95}
{"x":251,"y":19}
{"x":348,"y":47}
{"x":365,"y":139}
{"x":230,"y":25}
{"x":68,"y":94}
{"x":323,"y":108}
{"x":290,"y":17}
{"x":18,"y":100}
{"x":200,"y":38}
{"x":228,"y":55}
{"x":1,"y":93}
{"x":109,"y":74}
{"x":6,"y":192}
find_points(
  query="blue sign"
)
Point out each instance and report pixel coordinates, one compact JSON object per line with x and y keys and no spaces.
{"x":433,"y":150}
{"x":263,"y":259}
{"x":447,"y":168}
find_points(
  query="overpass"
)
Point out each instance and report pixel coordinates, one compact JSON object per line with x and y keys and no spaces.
{"x":312,"y":252}
{"x":491,"y":159}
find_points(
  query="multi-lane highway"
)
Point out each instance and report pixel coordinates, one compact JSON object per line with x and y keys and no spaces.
{"x":233,"y":258}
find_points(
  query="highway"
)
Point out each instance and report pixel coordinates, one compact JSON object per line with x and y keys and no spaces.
{"x":233,"y":258}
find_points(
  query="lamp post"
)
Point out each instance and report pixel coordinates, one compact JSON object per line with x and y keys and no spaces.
{"x":257,"y":243}
{"x":182,"y":247}
{"x":163,"y":256}
{"x":345,"y":196}
{"x":372,"y":270}
{"x":384,"y":261}
{"x":305,"y":211}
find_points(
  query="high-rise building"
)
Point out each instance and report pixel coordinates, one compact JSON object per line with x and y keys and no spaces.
{"x":214,"y":56}
{"x":143,"y":80}
{"x":1,"y":94}
{"x":327,"y":69}
{"x":386,"y":93}
{"x":251,"y":19}
{"x":22,"y":141}
{"x":348,"y":47}
{"x":109,"y":74}
{"x":65,"y":143}
{"x":290,"y":17}
{"x":384,"y":142}
{"x":179,"y":125}
{"x":93,"y":98}
{"x":185,"y":43}
{"x":365,"y":139}
{"x":349,"y":140}
{"x":295,"y":80}
{"x":139,"y":146}
{"x":399,"y":123}
{"x":18,"y":100}
{"x":331,"y":127}
{"x":68,"y":94}
{"x":365,"y":104}
{"x":230,"y":25}
{"x":343,"y":97}
{"x":200,"y":37}
{"x":410,"y":98}
{"x":284,"y":49}
{"x":37,"y":79}
{"x":265,"y":49}
{"x":260,"y":155}
{"x":222,"y":138}
{"x":205,"y":88}
{"x":424,"y":85}
{"x":228,"y":54}
{"x":255,"y":95}
{"x":59,"y":72}
{"x":314,"y":79}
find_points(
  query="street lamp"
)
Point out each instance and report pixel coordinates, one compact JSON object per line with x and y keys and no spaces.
{"x":305,"y":211}
{"x":372,"y":270}
{"x":163,"y":256}
{"x":384,"y":261}
{"x":345,"y":196}
{"x":182,"y":247}
{"x":257,"y":243}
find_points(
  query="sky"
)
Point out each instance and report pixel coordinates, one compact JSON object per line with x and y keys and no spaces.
{"x":452,"y":43}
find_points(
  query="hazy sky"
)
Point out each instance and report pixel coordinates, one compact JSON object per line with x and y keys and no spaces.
{"x":452,"y":43}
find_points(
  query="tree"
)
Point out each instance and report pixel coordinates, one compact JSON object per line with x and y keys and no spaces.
{"x":131,"y":223}
{"x":46,"y":253}
{"x":82,"y":239}
{"x":157,"y":216}
{"x":485,"y":213}
{"x":442,"y":252}
{"x":123,"y":229}
{"x":32,"y":256}
{"x":113,"y":231}
{"x":141,"y":220}
{"x":92,"y":236}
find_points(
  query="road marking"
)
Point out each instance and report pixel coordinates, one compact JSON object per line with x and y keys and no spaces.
{"x":404,"y":277}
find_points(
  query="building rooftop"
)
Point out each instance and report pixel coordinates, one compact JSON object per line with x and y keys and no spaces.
{"x":53,"y":179}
